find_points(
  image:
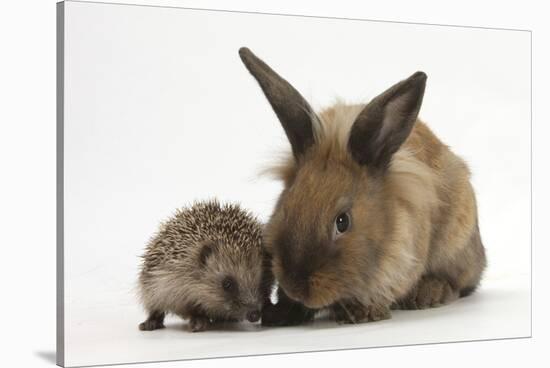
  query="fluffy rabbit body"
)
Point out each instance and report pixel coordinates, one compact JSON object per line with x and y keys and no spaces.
{"x":376,"y":212}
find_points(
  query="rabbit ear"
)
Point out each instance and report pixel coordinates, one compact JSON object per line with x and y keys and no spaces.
{"x":291,"y":108}
{"x":386,"y":122}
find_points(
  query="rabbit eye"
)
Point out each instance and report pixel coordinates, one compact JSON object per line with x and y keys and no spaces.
{"x":341,"y":224}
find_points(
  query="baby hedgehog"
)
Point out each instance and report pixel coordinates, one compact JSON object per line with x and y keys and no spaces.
{"x":205,"y":264}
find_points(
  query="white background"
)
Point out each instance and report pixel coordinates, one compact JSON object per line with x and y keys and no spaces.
{"x":33,"y":122}
{"x":160,"y":111}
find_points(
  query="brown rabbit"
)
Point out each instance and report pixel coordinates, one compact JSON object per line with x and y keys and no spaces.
{"x":376,"y":211}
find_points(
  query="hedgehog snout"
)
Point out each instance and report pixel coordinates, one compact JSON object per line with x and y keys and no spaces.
{"x":253,"y":315}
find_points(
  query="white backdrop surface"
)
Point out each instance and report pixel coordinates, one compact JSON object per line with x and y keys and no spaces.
{"x":159,"y":111}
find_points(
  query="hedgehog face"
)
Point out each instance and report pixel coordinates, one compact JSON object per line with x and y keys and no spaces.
{"x":231,"y":282}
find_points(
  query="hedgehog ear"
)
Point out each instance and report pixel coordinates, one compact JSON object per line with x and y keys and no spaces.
{"x":206,"y":251}
{"x":386,"y":122}
{"x":291,"y":108}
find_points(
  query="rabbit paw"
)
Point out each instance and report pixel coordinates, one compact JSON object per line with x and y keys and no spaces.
{"x":430,"y":292}
{"x":286,"y":314}
{"x":355,"y":312}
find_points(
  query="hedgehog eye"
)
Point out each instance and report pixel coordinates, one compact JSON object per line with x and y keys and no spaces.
{"x":341,"y":224}
{"x":229,"y":284}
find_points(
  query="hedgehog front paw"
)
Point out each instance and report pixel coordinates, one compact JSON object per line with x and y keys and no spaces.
{"x":351,"y":311}
{"x":198,"y":323}
{"x":150,"y":325}
{"x":155,"y":321}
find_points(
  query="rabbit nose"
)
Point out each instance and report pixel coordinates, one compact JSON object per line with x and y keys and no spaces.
{"x":253,"y":316}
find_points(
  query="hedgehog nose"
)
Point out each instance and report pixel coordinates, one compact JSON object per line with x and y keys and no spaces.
{"x":253,"y":316}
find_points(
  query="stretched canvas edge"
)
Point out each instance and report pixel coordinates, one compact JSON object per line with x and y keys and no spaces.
{"x":60,"y":267}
